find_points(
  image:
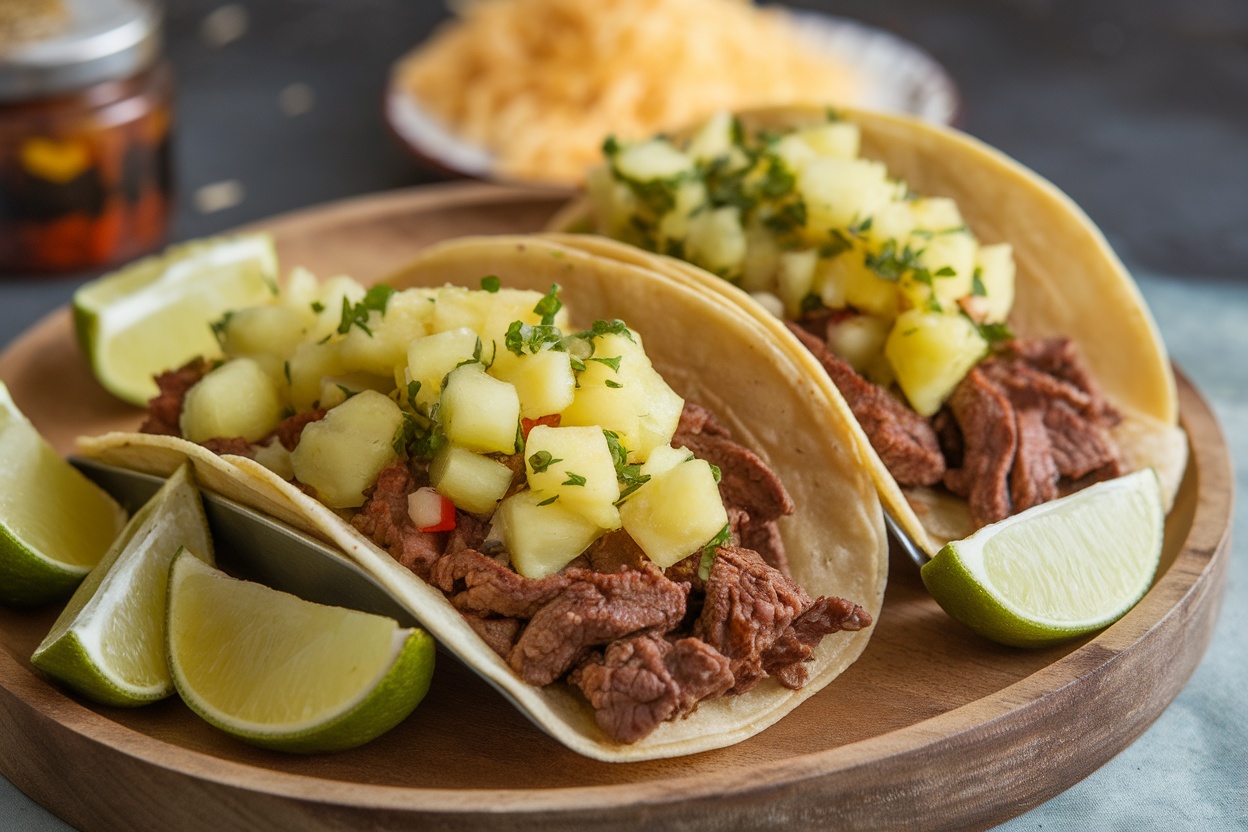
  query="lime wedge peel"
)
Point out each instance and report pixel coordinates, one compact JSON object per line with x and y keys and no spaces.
{"x":55,"y":524}
{"x":1056,"y":571}
{"x":108,"y":644}
{"x":279,"y":672}
{"x":156,"y":313}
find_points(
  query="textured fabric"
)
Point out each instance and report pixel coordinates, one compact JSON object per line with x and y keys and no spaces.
{"x":1190,"y":769}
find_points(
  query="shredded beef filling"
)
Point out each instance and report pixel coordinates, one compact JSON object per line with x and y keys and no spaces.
{"x":1034,"y":426}
{"x":904,"y":440}
{"x":165,"y":409}
{"x":1026,"y":425}
{"x":642,"y":645}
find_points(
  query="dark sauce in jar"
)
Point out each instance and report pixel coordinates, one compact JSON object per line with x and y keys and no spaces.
{"x":85,"y":124}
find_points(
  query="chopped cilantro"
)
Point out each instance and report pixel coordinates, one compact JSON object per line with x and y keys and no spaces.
{"x":318,"y":307}
{"x":995,"y":333}
{"x":286,"y":370}
{"x":977,"y":283}
{"x":613,"y":384}
{"x":542,"y":460}
{"x":357,"y":314}
{"x":548,"y":500}
{"x":347,"y":391}
{"x":413,"y":389}
{"x":715,"y":472}
{"x":549,"y":305}
{"x":614,"y":327}
{"x":573,"y":479}
{"x":219,"y":327}
{"x":491,"y":284}
{"x":708,"y":552}
{"x":613,"y":362}
{"x":811,"y":303}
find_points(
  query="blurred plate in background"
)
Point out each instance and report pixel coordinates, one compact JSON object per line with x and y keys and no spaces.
{"x":891,"y":74}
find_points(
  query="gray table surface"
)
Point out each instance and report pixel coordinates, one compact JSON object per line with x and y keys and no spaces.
{"x":1137,"y":108}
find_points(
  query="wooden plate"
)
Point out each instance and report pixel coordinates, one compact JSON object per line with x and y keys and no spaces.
{"x":932,"y":728}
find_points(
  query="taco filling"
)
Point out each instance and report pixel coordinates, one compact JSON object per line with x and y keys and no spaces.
{"x":590,"y":525}
{"x":891,"y":291}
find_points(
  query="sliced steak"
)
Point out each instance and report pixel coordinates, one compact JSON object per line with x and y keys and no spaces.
{"x":640,"y":682}
{"x":748,"y":606}
{"x":594,"y":609}
{"x":290,"y":430}
{"x":164,"y":410}
{"x":478,"y":584}
{"x":235,"y":445}
{"x":499,"y":634}
{"x":986,"y":418}
{"x":904,"y":440}
{"x":787,"y":658}
{"x":384,"y":519}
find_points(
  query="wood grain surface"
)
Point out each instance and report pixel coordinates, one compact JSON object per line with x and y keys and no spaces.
{"x":933,"y":727}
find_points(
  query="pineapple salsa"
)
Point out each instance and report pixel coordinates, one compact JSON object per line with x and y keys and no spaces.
{"x":355,"y":380}
{"x":809,"y":228}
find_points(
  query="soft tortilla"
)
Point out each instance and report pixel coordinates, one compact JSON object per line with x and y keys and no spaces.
{"x":1069,"y":283}
{"x":710,"y":353}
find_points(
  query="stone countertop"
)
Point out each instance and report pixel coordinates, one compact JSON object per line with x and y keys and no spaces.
{"x":1137,"y":108}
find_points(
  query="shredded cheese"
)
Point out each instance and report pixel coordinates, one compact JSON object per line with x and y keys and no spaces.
{"x":541,"y":83}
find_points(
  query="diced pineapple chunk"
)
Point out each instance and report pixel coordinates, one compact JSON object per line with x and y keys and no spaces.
{"x":542,"y":539}
{"x":936,"y":214}
{"x":311,"y":363}
{"x":656,"y":424}
{"x":337,"y":389}
{"x":996,"y":274}
{"x":343,"y":453}
{"x":236,"y":399}
{"x":504,"y":307}
{"x":330,"y":297}
{"x":276,"y":458}
{"x":610,"y":393}
{"x":794,"y":151}
{"x":761,"y":261}
{"x":839,"y":192}
{"x":713,"y":139}
{"x":894,"y":221}
{"x":574,"y":464}
{"x":407,"y":317}
{"x":930,"y":353}
{"x":675,"y":513}
{"x":717,"y":241}
{"x":836,"y":138}
{"x":273,"y":330}
{"x":663,"y":459}
{"x":796,"y":279}
{"x":613,"y":202}
{"x":689,"y":199}
{"x":478,"y":411}
{"x":300,"y":290}
{"x":858,"y":339}
{"x":544,"y":380}
{"x":653,"y":159}
{"x":946,"y":252}
{"x":474,"y":483}
{"x":429,"y":359}
{"x":849,"y":276}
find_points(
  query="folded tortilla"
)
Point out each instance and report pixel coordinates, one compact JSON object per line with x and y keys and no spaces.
{"x":1069,"y":283}
{"x":710,"y":353}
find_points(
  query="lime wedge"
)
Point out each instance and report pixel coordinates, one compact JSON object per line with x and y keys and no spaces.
{"x":156,"y":314}
{"x":55,"y":524}
{"x":1058,"y":570}
{"x":283,"y":673}
{"x":109,"y":642}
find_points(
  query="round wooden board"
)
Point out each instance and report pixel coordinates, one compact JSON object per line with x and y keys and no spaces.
{"x":932,"y":728}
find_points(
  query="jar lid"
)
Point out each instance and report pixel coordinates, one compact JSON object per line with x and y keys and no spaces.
{"x":102,"y":40}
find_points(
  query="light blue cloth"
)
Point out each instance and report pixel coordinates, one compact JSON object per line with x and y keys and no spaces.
{"x":1189,"y":771}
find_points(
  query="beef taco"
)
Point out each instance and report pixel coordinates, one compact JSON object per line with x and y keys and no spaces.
{"x":621,"y":524}
{"x":993,"y":348}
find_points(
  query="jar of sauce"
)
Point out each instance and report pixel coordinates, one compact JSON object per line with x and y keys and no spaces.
{"x":85,"y":117}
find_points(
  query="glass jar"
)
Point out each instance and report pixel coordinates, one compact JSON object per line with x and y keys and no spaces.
{"x":85,"y":118}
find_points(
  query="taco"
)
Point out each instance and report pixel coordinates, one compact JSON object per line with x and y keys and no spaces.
{"x":589,"y":567}
{"x":993,"y":348}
